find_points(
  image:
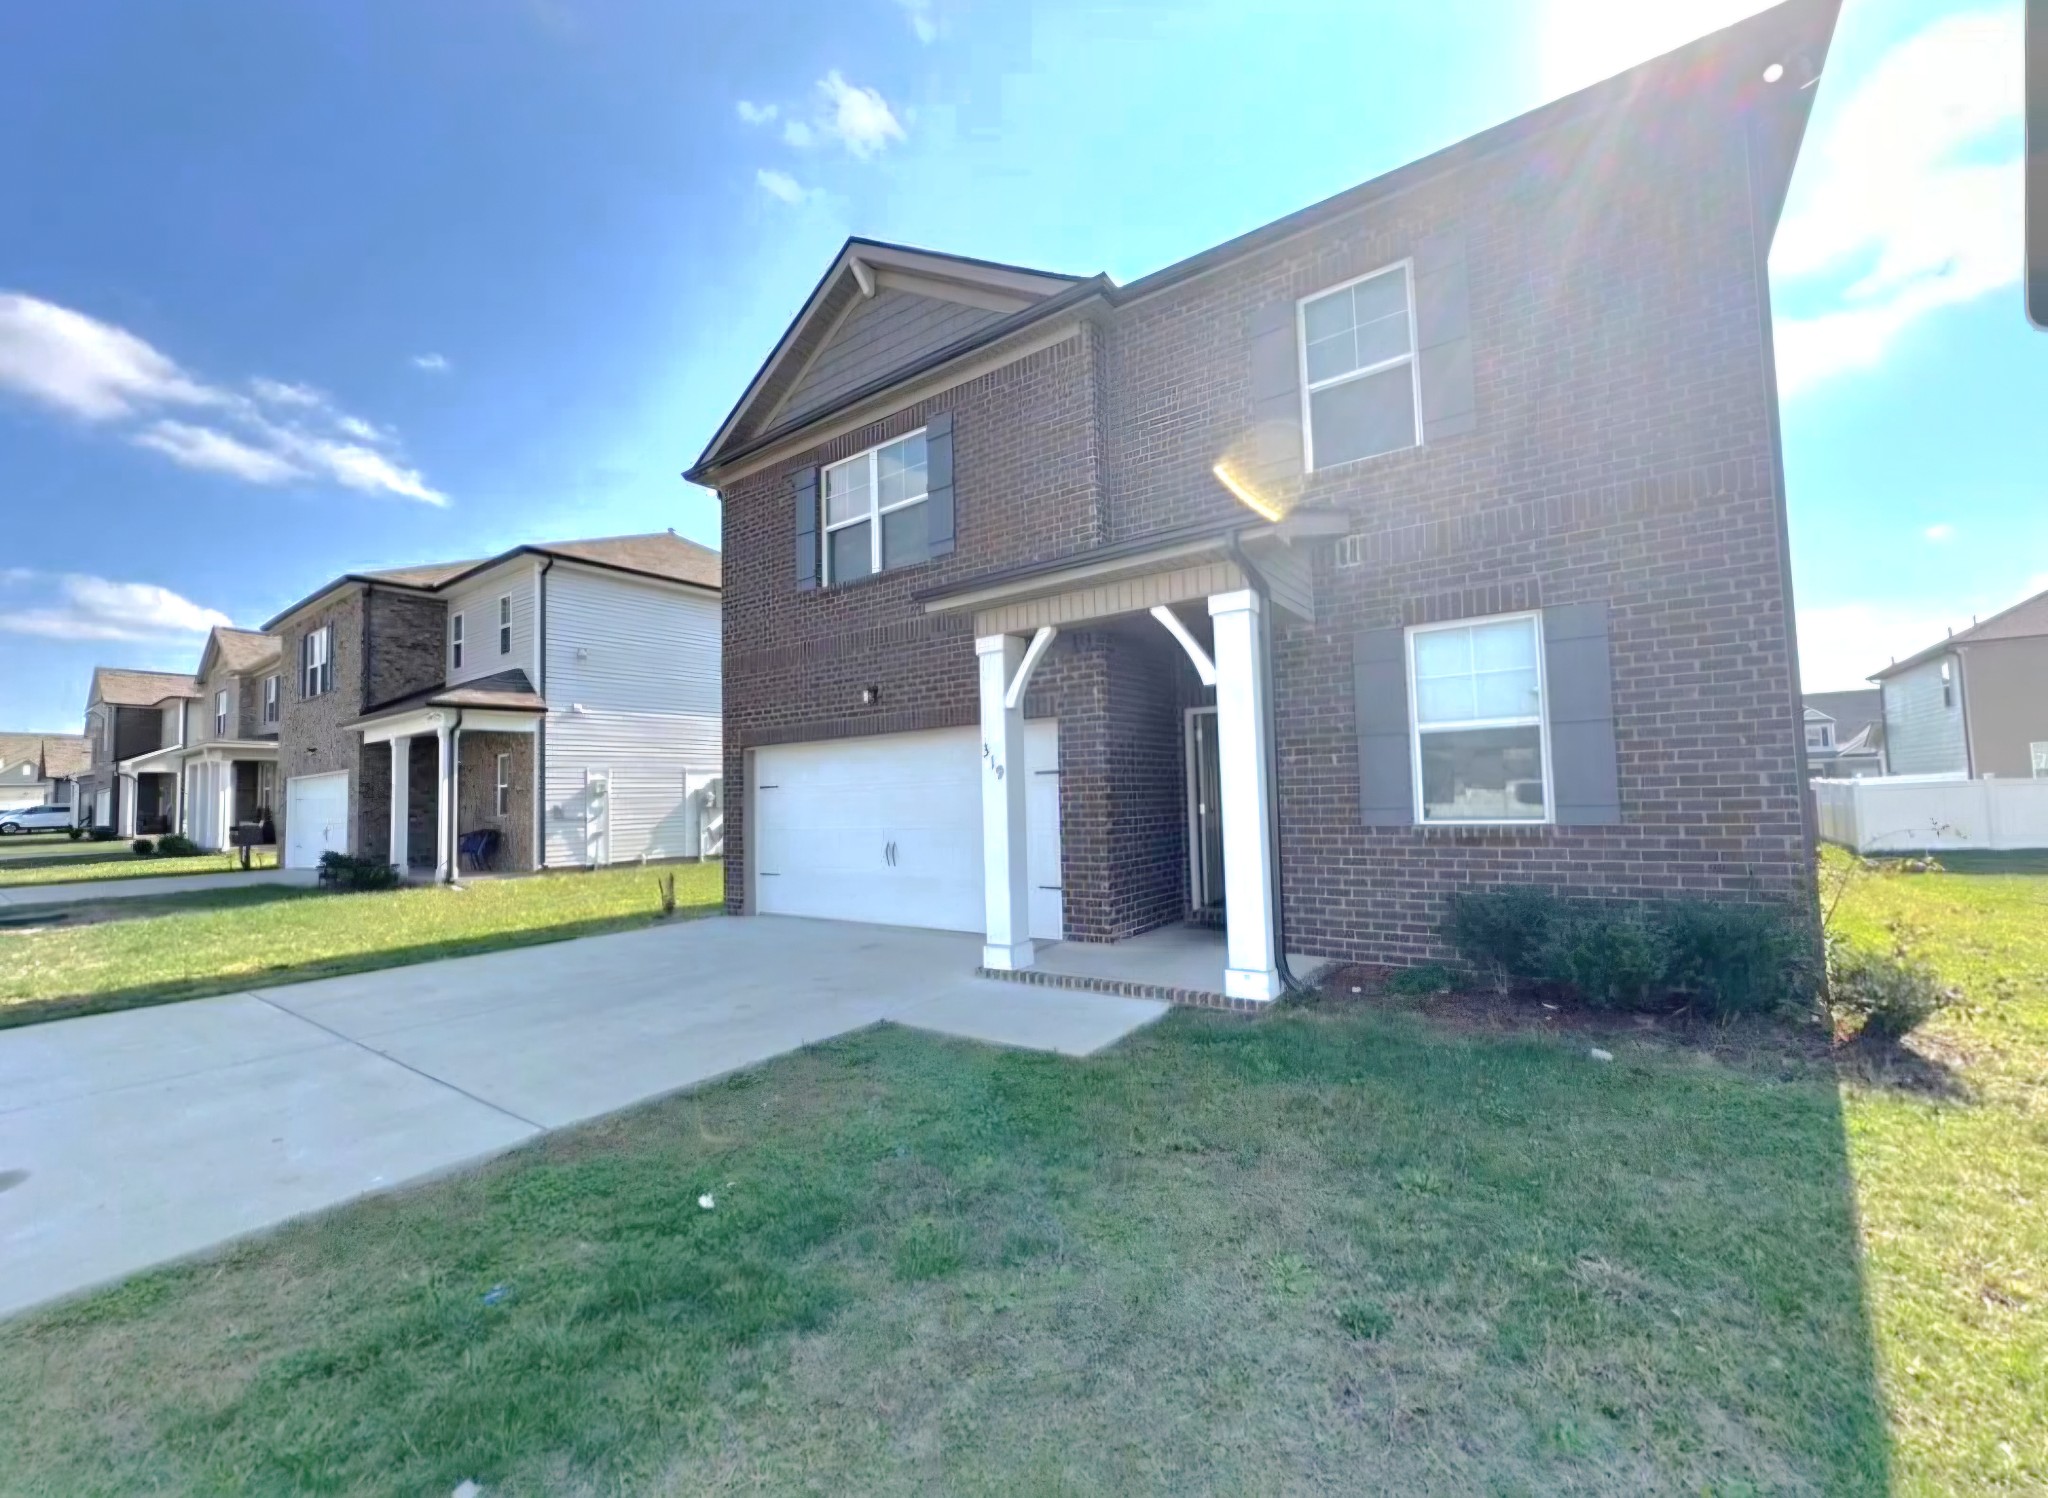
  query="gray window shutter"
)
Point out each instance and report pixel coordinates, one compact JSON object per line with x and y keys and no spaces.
{"x":1386,"y":784}
{"x":1276,"y":395}
{"x":1579,"y":675}
{"x":1443,"y":337}
{"x":803,"y":493}
{"x":938,"y":470}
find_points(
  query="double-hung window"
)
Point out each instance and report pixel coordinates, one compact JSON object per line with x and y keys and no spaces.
{"x":1820,"y":736}
{"x":875,"y":515}
{"x":505,"y":625}
{"x":270,"y":699}
{"x":220,"y":713}
{"x":504,"y":801}
{"x":316,"y":661}
{"x":455,"y":642}
{"x":1358,"y":369}
{"x":1480,"y":739}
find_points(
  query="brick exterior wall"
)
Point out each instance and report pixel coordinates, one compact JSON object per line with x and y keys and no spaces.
{"x":476,"y":794}
{"x":1623,"y":454}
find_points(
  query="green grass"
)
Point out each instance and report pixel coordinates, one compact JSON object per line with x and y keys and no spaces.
{"x":188,"y":946}
{"x":33,"y":845}
{"x":1337,"y":1250}
{"x":120,"y":861}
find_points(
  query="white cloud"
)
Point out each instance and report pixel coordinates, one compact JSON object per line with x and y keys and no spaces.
{"x":923,"y":23}
{"x":278,"y":432}
{"x":1912,"y":202}
{"x":755,"y":114}
{"x":800,"y":135}
{"x":1941,"y":532}
{"x":781,"y":185}
{"x":1584,"y":41}
{"x":432,"y":363}
{"x":77,"y":606}
{"x":1839,"y":647}
{"x":858,"y":117}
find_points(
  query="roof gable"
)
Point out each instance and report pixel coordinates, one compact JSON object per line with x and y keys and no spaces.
{"x":933,"y":301}
{"x":2025,"y":620}
{"x":119,"y":687}
{"x":237,"y":650}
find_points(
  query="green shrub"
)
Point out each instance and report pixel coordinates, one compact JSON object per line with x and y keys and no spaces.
{"x":1421,"y":982}
{"x":344,"y":871}
{"x":75,"y":833}
{"x":102,"y":833}
{"x":1504,"y":933}
{"x":176,"y":845}
{"x":1882,"y":996}
{"x":143,"y":847}
{"x":1612,"y":957}
{"x":1726,"y":958}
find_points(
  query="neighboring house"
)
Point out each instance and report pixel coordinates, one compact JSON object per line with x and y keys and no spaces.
{"x":1976,"y":704}
{"x":66,"y":758}
{"x":129,"y":716}
{"x":1844,"y":734}
{"x":554,"y":706}
{"x":223,"y":754}
{"x":1485,"y":452}
{"x":36,"y":769}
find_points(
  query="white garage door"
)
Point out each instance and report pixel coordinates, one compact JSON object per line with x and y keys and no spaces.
{"x":315,"y":818}
{"x":888,"y":830}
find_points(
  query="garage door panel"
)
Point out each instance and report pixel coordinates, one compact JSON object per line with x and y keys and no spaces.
{"x":888,"y":830}
{"x":315,"y":819}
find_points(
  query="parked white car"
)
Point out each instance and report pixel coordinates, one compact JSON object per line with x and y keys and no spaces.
{"x":36,"y":819}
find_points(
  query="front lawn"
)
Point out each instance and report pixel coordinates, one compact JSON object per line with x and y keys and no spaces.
{"x":1342,"y":1249}
{"x":120,"y":861}
{"x":206,"y":943}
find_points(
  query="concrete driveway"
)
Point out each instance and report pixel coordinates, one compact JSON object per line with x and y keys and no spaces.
{"x":131,"y":1139}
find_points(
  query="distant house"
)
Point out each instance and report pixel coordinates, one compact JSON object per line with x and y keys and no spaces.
{"x":129,"y":716}
{"x":37,"y":769}
{"x":1976,"y":704}
{"x":1844,"y":734}
{"x":218,"y":757}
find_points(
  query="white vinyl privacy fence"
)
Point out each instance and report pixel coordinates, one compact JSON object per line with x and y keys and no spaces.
{"x":1912,"y":814}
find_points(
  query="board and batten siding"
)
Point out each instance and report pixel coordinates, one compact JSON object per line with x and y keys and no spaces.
{"x":1922,"y":734}
{"x":633,"y":689}
{"x":477,"y":602}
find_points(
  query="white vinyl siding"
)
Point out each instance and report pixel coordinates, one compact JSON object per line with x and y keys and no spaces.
{"x":1923,"y":733}
{"x":633,"y":691}
{"x":480,"y":604}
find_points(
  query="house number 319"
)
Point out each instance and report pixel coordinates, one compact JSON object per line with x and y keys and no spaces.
{"x":993,"y":763}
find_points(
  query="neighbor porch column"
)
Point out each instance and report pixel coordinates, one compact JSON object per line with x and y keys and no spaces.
{"x":401,"y":785}
{"x":1005,"y":872}
{"x":444,"y":845}
{"x":1252,"y":967}
{"x":126,"y":789}
{"x":224,"y":803}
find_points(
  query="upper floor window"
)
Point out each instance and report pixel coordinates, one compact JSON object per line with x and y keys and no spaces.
{"x":1480,"y":737}
{"x":875,"y":512}
{"x":270,"y":698}
{"x":1820,"y":736}
{"x":316,"y":661}
{"x":106,"y":727}
{"x":1358,"y":369}
{"x":455,"y":642}
{"x":505,"y":625}
{"x":1948,"y":686}
{"x":220,"y":713}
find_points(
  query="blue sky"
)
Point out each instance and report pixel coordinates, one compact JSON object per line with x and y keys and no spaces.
{"x":287,"y":290}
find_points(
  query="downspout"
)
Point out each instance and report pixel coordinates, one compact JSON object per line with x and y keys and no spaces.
{"x":1268,"y":627}
{"x":540,"y":729}
{"x":451,"y":794}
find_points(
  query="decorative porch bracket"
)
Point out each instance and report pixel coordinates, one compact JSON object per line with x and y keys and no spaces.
{"x":1204,"y":667}
{"x":1040,"y":643}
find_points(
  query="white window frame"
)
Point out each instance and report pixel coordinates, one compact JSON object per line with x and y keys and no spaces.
{"x":504,"y":797}
{"x":455,"y":633}
{"x":1541,"y":721}
{"x":1820,"y":735}
{"x":316,"y":662}
{"x":2038,"y":753}
{"x":1413,"y":358}
{"x":273,"y":698}
{"x":504,"y":624}
{"x":220,"y":713}
{"x":876,"y":509}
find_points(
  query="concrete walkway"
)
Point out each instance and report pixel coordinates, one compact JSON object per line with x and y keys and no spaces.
{"x":136,"y":886}
{"x":131,"y":1139}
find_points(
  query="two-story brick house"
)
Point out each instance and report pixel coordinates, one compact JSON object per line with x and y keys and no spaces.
{"x":552,"y":706}
{"x":1433,"y":536}
{"x":129,"y":717}
{"x":220,"y":751}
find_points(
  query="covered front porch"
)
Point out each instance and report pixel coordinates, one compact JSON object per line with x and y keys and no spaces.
{"x":230,"y":788}
{"x":1186,"y":831}
{"x":450,"y":789}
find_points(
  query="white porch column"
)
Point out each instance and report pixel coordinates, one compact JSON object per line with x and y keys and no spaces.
{"x":1251,"y":970}
{"x":126,"y":789}
{"x":1005,"y":870}
{"x":224,"y":804}
{"x":401,"y":784}
{"x":444,"y":845}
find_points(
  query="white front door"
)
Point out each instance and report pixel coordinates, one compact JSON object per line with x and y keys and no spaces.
{"x":597,"y":817}
{"x":888,"y":830}
{"x":315,"y":818}
{"x":103,"y":809}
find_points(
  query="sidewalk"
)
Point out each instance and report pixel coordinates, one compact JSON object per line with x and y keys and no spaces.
{"x":138,"y":886}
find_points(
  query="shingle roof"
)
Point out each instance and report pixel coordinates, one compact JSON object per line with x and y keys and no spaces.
{"x":427,"y":575}
{"x":506,"y":691}
{"x":124,"y":688}
{"x":66,"y":756}
{"x":661,"y":554}
{"x":244,"y":650}
{"x":2022,"y":621}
